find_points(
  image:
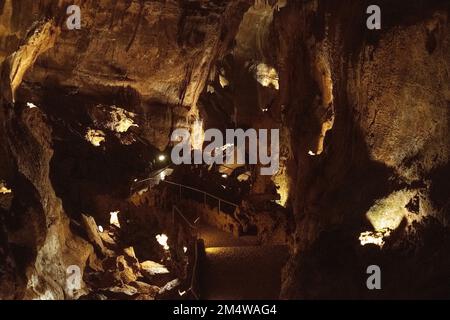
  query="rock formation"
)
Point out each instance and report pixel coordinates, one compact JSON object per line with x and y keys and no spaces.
{"x":364,"y":141}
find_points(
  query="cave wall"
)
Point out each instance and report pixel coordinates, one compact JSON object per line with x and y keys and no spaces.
{"x":364,"y":119}
{"x":368,"y":113}
{"x":39,"y":243}
{"x":152,"y":56}
{"x":160,"y":50}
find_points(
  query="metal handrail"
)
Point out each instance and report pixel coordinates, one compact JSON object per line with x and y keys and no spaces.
{"x":205,"y":194}
{"x":236,"y":206}
{"x":190,"y":188}
{"x":153,"y":177}
{"x":200,"y":191}
{"x":194,"y":272}
{"x":175,"y":209}
{"x":227,"y":167}
{"x":156,"y":173}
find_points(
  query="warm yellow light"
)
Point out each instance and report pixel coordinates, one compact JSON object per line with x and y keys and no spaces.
{"x":114,"y":218}
{"x":374,"y":237}
{"x":267,"y":76}
{"x":153,"y":268}
{"x":223,"y":81}
{"x":4,"y":189}
{"x":389,"y":212}
{"x":121,"y":120}
{"x":162,"y":157}
{"x":95,"y":137}
{"x":281,"y":180}
{"x":244,"y":176}
{"x":386,"y":215}
{"x":214,"y":250}
{"x":162,"y":240}
{"x":100,"y":228}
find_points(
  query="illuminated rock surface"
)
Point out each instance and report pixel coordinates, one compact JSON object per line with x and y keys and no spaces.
{"x":364,"y":147}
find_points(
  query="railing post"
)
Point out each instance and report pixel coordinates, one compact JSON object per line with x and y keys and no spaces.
{"x":219,"y":205}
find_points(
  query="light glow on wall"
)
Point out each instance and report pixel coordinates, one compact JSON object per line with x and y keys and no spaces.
{"x":162,"y":240}
{"x":114,"y":218}
{"x":95,"y":137}
{"x":374,"y":237}
{"x":386,"y":215}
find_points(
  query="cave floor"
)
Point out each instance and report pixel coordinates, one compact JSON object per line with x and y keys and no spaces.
{"x":238,"y":268}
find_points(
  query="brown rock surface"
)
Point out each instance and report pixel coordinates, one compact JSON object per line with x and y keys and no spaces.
{"x":387,"y":92}
{"x":363,"y":115}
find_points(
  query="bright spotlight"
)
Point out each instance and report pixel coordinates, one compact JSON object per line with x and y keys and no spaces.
{"x":114,"y":218}
{"x":224,"y":176}
{"x":162,"y":240}
{"x":162,"y":157}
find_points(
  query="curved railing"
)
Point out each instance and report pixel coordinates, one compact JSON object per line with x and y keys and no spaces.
{"x":176,"y":210}
{"x":156,"y":173}
{"x":205,"y":194}
{"x":182,"y":186}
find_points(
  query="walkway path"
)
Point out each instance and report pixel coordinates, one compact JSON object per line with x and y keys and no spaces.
{"x":238,"y":268}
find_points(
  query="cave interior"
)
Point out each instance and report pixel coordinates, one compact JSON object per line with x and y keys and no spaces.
{"x":93,"y":205}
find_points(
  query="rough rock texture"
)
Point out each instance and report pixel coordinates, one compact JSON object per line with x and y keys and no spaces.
{"x":150,"y":57}
{"x":39,"y":243}
{"x":163,"y":50}
{"x":368,"y":113}
{"x":39,"y":238}
{"x":363,"y":115}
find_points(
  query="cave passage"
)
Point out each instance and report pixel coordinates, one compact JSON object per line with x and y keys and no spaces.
{"x":328,"y":123}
